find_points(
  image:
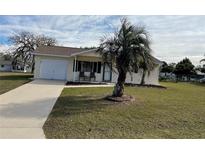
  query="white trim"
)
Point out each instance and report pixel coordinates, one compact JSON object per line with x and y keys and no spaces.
{"x":74,"y":69}
{"x":83,"y":52}
{"x":51,"y":55}
{"x":72,"y":55}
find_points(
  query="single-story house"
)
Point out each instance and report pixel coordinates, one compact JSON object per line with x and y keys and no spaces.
{"x":80,"y":65}
{"x":5,"y":65}
{"x":167,"y":76}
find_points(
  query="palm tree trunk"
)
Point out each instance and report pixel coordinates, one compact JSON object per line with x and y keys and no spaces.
{"x":119,"y":87}
{"x":143,"y":76}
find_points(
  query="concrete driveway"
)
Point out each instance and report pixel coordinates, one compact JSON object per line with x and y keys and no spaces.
{"x":24,"y":110}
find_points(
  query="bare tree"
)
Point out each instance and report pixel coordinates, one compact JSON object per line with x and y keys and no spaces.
{"x":6,"y":55}
{"x":24,"y":45}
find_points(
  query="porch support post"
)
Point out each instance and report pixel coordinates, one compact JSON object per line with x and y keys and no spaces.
{"x":74,"y":69}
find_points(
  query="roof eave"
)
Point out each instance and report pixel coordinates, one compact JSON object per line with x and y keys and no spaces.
{"x":72,"y":55}
{"x":82,"y":52}
{"x":52,"y":55}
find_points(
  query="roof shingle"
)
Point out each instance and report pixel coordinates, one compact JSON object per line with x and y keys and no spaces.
{"x":58,"y":50}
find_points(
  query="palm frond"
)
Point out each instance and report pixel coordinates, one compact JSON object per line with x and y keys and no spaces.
{"x":203,"y":60}
{"x":129,"y":48}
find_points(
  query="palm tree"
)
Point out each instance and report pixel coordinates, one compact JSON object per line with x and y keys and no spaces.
{"x":202,"y":60}
{"x":125,"y":50}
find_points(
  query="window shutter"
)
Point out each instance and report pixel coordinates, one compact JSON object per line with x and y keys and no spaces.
{"x":99,"y":67}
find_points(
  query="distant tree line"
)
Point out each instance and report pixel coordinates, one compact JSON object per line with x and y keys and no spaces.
{"x":184,"y":68}
{"x":168,"y":68}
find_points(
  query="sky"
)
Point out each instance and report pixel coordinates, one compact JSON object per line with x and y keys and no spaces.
{"x":173,"y":37}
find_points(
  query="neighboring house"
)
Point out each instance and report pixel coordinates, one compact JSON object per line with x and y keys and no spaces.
{"x":198,"y":76}
{"x":167,"y":76}
{"x":79,"y":65}
{"x":5,"y":65}
{"x":27,"y":68}
{"x":21,"y":67}
{"x":200,"y":73}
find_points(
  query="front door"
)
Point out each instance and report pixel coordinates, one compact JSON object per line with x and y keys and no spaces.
{"x":107,"y":74}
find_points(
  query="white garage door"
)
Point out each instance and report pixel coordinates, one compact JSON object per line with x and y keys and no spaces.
{"x":53,"y":69}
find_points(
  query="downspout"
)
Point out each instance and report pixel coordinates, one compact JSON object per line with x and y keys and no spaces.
{"x":74,"y":69}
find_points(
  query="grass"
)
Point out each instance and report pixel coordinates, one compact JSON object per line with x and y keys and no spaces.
{"x":11,"y":80}
{"x":175,"y":112}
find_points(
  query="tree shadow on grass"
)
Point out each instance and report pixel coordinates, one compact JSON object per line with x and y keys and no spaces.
{"x":71,"y":105}
{"x":15,"y":77}
{"x":198,"y":84}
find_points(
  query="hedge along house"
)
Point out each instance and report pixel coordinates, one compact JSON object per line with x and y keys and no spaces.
{"x":81,"y":65}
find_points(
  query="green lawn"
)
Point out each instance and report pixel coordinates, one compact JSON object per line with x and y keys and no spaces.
{"x":175,"y":112}
{"x":11,"y":80}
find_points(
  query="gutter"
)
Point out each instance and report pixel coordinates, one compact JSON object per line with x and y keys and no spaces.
{"x":64,"y":56}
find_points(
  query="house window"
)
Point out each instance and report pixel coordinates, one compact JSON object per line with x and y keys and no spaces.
{"x":95,"y":67}
{"x":99,"y":67}
{"x":84,"y":66}
{"x":2,"y":66}
{"x":78,"y":66}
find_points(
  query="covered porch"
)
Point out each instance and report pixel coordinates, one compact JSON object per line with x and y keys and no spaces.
{"x":91,"y":69}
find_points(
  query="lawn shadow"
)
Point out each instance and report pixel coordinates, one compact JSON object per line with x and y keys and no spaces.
{"x":15,"y":77}
{"x":48,"y":82}
{"x":71,"y":105}
{"x":198,"y":84}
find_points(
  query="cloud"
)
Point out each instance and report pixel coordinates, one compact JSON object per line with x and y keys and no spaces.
{"x":173,"y":37}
